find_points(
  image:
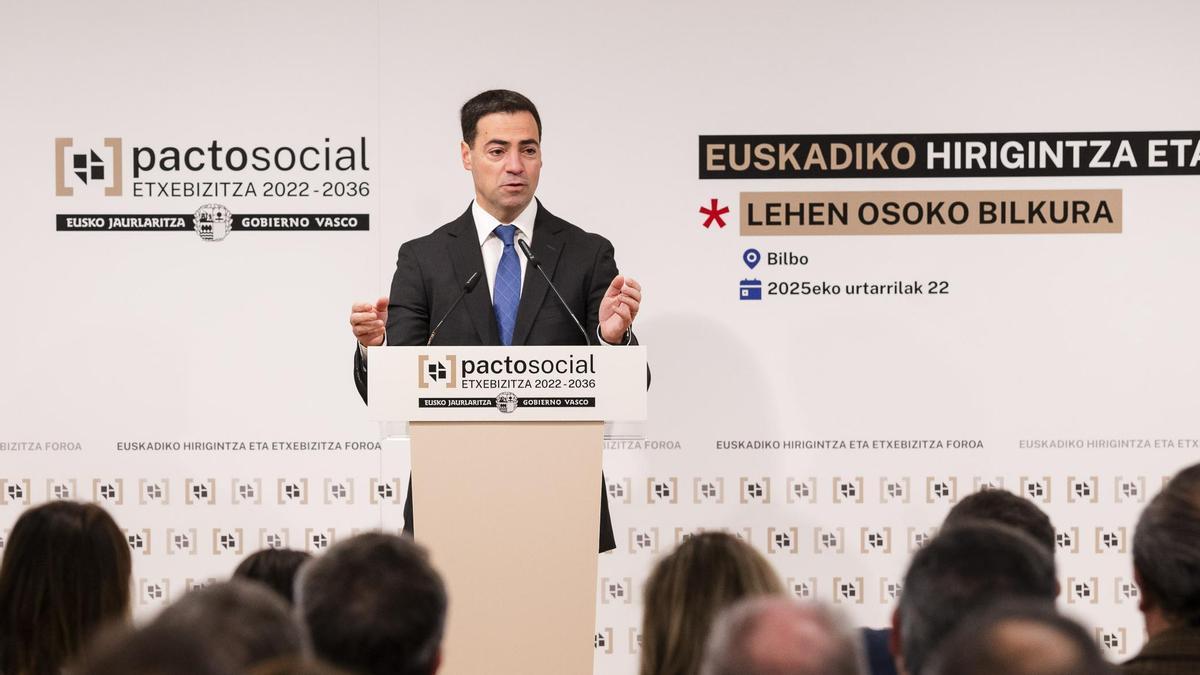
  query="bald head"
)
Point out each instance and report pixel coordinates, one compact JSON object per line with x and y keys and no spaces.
{"x":774,"y":636}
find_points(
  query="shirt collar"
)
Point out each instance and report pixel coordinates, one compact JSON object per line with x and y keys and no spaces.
{"x":486,"y":222}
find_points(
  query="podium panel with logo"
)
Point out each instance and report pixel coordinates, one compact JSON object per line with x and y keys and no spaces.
{"x":507,"y":445}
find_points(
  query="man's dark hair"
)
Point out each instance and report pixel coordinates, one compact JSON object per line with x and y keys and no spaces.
{"x":1166,"y":548}
{"x":156,"y":649}
{"x":275,"y":567}
{"x":964,"y":569}
{"x":66,"y":572}
{"x":1019,"y":638}
{"x":494,"y":101}
{"x":373,"y":604}
{"x":243,"y":623}
{"x":1002,"y":506}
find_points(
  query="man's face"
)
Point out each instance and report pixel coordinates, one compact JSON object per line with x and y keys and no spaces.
{"x":504,"y":162}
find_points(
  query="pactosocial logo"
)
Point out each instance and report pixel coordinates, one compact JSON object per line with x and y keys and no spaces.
{"x":301,"y":174}
{"x":443,"y":373}
{"x":86,"y":167}
{"x":110,"y":491}
{"x":61,"y":489}
{"x":604,"y":641}
{"x":803,"y":589}
{"x":14,"y":491}
{"x":82,"y":166}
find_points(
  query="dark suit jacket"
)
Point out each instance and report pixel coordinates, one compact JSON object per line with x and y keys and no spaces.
{"x":1175,"y":650}
{"x":878,"y":650}
{"x":431,"y":271}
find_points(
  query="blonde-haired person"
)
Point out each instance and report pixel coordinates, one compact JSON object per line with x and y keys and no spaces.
{"x":686,"y":591}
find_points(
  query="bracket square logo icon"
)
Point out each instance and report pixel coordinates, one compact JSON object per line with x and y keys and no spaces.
{"x":84,"y":167}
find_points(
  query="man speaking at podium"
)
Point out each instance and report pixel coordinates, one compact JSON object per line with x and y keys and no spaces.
{"x":501,"y":147}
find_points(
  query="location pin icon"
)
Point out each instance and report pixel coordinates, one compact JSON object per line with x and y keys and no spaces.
{"x":751,"y":257}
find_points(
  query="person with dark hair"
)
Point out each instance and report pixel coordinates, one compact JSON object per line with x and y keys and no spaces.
{"x":778,"y":636}
{"x":275,"y":567}
{"x":66,"y":572}
{"x":1005,"y":508}
{"x":1019,"y":638}
{"x":687,"y":589}
{"x":156,"y":649}
{"x":989,"y":506}
{"x":1166,"y":566}
{"x":374,"y":605}
{"x":502,"y":148}
{"x":964,"y":569}
{"x":243,"y":622}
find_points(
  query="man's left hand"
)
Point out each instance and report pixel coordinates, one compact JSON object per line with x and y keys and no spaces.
{"x":619,"y":308}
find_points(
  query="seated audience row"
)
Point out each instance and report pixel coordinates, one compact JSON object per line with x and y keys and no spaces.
{"x":978,"y":598}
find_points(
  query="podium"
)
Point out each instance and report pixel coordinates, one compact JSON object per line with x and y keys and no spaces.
{"x":507,"y":445}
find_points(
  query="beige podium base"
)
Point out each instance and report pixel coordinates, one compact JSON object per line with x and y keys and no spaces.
{"x":510,"y":513}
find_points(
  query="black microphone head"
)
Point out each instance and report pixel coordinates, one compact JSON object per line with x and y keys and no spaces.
{"x":528,"y":253}
{"x":467,"y":287}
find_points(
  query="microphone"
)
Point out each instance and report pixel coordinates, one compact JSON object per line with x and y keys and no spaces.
{"x":462,"y":294}
{"x":533,"y":260}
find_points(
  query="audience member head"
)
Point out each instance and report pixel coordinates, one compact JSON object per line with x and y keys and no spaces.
{"x":962,"y":570}
{"x":243,"y":623}
{"x":157,"y":649}
{"x":65,"y":572}
{"x":373,"y":604}
{"x":777,"y":636}
{"x":1024,"y":638}
{"x":686,"y":591}
{"x":275,"y":567}
{"x":1002,"y":506}
{"x":1166,"y":554}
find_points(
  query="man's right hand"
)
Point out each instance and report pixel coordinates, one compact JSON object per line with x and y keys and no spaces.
{"x":369,"y":322}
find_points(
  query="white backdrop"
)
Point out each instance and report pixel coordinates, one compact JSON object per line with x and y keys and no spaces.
{"x":125,"y":337}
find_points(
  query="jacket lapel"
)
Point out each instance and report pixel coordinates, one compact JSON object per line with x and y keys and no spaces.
{"x":547,"y":246}
{"x":467,"y":258}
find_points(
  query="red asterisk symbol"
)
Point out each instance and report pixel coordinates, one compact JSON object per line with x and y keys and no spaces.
{"x":714,"y":213}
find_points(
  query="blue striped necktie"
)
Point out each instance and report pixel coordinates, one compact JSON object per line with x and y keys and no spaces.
{"x":506,"y":294}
